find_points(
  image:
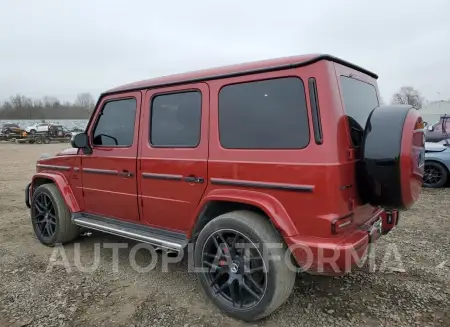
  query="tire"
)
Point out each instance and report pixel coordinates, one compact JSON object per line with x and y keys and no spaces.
{"x":64,"y":230}
{"x":32,"y":131}
{"x":435,"y":175}
{"x":279,"y":278}
{"x":392,"y":154}
{"x":38,"y":140}
{"x":46,"y":140}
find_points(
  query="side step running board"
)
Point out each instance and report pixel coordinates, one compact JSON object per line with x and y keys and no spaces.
{"x":158,"y":237}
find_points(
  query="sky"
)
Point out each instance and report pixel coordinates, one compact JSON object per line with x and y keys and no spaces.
{"x":64,"y":47}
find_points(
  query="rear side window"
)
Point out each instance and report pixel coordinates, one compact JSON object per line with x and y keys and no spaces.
{"x":267,"y":114}
{"x":176,"y":120}
{"x":115,"y":126}
{"x":360,"y":99}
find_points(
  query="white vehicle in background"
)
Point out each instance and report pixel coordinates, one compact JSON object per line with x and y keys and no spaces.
{"x":42,"y":127}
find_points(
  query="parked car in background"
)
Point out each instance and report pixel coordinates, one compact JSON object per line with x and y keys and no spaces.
{"x":57,"y":130}
{"x":437,"y":131}
{"x":10,"y":128}
{"x":42,"y":127}
{"x":437,"y":165}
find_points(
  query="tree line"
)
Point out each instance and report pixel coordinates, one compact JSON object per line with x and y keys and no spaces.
{"x":48,"y":107}
{"x":22,"y":107}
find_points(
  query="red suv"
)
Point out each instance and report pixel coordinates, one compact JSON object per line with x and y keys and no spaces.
{"x":266,"y":168}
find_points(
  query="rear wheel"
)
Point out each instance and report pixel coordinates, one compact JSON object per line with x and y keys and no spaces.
{"x":241,"y":274}
{"x":46,"y":140}
{"x":32,"y":131}
{"x":50,"y":217}
{"x":435,"y":175}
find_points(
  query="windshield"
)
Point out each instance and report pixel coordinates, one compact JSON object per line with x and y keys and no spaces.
{"x":360,"y":98}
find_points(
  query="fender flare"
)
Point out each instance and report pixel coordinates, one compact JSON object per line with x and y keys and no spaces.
{"x":267,"y":203}
{"x":64,"y":188}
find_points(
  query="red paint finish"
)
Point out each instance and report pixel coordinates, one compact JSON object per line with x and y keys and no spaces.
{"x":170,"y":203}
{"x":109,"y":194}
{"x":412,"y":170}
{"x":61,"y":181}
{"x":303,"y":217}
{"x":268,"y":203}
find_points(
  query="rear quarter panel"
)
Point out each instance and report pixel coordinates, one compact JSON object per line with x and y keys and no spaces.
{"x":318,"y":166}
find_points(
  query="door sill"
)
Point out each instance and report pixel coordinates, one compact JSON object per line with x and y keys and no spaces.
{"x":158,"y":237}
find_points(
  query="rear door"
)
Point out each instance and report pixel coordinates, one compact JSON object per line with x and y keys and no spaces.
{"x":109,"y":173}
{"x":359,"y":94}
{"x":173,"y":154}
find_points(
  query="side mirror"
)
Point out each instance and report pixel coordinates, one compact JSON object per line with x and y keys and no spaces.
{"x":81,"y":141}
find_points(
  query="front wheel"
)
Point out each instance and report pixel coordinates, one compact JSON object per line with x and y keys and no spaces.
{"x":244,"y":266}
{"x":435,"y":175}
{"x":50,"y":217}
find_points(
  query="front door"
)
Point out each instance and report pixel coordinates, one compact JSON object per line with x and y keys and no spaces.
{"x":173,"y":154}
{"x":109,"y":173}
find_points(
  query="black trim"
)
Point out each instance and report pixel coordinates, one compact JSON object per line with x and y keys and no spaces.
{"x":53,"y":167}
{"x":126,"y":174}
{"x":194,"y":179}
{"x":27,"y":195}
{"x":314,"y":101}
{"x":242,"y":73}
{"x":100,"y":171}
{"x":275,"y":186}
{"x":168,"y":177}
{"x":158,"y":231}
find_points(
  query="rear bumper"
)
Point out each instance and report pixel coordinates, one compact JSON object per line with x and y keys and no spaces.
{"x":27,"y":195}
{"x":337,"y":256}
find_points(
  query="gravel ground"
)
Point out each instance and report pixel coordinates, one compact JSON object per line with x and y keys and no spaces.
{"x":409,"y":285}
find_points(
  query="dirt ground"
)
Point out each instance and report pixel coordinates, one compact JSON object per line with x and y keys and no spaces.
{"x":409,"y":285}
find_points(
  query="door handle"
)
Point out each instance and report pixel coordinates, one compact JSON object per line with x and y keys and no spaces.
{"x":125,"y":173}
{"x":193,"y":179}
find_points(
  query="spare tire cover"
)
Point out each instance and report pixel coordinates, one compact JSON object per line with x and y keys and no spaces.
{"x":390,"y":172}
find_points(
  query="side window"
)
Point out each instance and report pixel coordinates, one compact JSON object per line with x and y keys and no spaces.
{"x":176,"y":120}
{"x":266,"y":114}
{"x":115,"y":126}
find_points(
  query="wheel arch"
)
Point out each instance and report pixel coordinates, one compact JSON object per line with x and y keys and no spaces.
{"x":221,"y":201}
{"x":63,"y":187}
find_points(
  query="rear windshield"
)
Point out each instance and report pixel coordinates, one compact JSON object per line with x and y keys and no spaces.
{"x":360,"y":98}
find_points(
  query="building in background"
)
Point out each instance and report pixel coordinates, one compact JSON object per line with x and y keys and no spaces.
{"x":432,"y":111}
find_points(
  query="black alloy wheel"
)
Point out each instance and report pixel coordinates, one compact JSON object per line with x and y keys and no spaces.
{"x":234,"y":269}
{"x":435,"y":175}
{"x":242,"y":264}
{"x":43,"y":216}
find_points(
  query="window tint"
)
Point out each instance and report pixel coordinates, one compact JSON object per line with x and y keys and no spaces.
{"x":269,"y":114}
{"x":176,"y":120}
{"x":360,"y":99}
{"x":115,"y":126}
